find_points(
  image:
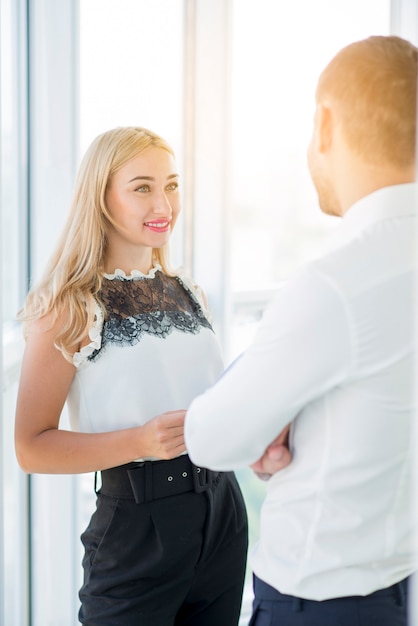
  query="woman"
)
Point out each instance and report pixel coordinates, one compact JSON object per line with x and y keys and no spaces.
{"x":121,"y":338}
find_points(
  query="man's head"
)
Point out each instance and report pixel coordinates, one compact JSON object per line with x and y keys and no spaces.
{"x":366,"y":116}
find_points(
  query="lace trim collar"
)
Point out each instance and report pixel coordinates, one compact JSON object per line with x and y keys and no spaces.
{"x":81,"y":358}
{"x":135,"y":274}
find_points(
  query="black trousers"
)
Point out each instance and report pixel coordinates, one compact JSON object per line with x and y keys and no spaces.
{"x":172,"y":561}
{"x":386,"y":607}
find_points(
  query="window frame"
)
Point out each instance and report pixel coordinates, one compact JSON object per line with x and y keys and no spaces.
{"x":14,"y":486}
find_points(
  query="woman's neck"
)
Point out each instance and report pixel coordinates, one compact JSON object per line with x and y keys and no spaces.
{"x":127,"y":263}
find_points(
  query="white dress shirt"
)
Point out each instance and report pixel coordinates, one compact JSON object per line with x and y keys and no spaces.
{"x":334,"y":355}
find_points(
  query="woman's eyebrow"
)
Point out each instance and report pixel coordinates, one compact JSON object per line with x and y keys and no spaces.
{"x":152,"y":178}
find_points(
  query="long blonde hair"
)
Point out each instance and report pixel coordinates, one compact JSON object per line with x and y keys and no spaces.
{"x":73,"y":276}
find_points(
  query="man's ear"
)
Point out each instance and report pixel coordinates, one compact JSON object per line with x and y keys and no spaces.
{"x":324,"y":127}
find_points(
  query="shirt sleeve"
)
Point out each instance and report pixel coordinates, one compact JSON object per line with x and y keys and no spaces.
{"x":302,"y":349}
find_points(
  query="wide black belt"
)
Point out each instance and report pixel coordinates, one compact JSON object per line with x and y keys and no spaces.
{"x":149,"y":480}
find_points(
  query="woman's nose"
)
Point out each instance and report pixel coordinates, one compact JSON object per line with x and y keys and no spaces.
{"x":161,"y":204}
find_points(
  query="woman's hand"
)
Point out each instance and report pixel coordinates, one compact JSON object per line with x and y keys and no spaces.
{"x":42,"y":447}
{"x":163,"y":436}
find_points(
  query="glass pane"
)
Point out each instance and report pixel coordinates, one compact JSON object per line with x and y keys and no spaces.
{"x":15,"y":578}
{"x":131,"y":67}
{"x":276,"y":221}
{"x":14,"y":600}
{"x":131,"y":73}
{"x":279,"y":49}
{"x":12,"y":179}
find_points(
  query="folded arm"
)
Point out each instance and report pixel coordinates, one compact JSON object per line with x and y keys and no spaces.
{"x":301,"y":350}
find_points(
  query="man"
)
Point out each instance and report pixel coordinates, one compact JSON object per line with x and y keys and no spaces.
{"x":334,"y":358}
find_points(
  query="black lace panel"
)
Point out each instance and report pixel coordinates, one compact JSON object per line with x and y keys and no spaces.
{"x":147,"y":305}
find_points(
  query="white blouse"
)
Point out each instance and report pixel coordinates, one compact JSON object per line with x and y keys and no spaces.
{"x":152,"y":350}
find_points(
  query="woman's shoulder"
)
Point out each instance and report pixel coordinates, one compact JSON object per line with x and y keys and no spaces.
{"x":93,"y":339}
{"x":42,"y":335}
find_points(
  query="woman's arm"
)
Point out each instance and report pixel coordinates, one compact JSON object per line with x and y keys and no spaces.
{"x":41,"y":447}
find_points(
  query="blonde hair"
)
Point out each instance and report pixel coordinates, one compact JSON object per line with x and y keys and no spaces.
{"x":373,"y":84}
{"x":73,"y":276}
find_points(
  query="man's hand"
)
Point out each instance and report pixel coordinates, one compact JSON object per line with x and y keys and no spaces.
{"x":275,"y":457}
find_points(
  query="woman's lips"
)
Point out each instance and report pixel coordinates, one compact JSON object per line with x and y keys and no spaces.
{"x":158,"y":226}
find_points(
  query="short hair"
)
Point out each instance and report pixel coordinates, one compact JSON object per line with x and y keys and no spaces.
{"x":373,"y":83}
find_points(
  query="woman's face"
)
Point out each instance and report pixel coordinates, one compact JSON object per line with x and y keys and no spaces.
{"x":144,"y":201}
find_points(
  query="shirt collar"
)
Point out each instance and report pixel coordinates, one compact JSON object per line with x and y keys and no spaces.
{"x":385,"y":203}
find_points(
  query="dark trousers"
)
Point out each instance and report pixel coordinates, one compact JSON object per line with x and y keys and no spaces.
{"x":173,"y":561}
{"x":386,"y":607}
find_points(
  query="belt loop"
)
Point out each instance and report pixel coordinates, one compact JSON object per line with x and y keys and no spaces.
{"x":201,"y":477}
{"x":148,"y":493}
{"x":297,"y":605}
{"x":95,"y":482}
{"x":399,"y":592}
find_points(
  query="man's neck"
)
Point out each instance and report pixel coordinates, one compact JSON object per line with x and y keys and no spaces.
{"x":366,"y":178}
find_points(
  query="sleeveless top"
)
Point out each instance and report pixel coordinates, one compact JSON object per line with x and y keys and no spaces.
{"x":152,"y":349}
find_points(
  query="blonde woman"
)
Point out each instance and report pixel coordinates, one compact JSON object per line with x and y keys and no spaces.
{"x":113,"y":332}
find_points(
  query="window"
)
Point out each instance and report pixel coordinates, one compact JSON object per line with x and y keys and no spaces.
{"x":253,"y":96}
{"x":278,"y":52}
{"x":275,"y":220}
{"x":14,"y":578}
{"x":138,"y":81}
{"x":13,"y":159}
{"x":230,"y":84}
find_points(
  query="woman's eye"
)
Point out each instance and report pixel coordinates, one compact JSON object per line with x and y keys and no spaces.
{"x":172,"y":186}
{"x":143,"y":188}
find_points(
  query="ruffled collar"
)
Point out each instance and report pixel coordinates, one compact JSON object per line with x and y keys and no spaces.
{"x":134,"y":275}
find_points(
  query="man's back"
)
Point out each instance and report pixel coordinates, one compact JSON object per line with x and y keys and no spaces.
{"x":335,"y":521}
{"x":334,"y":357}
